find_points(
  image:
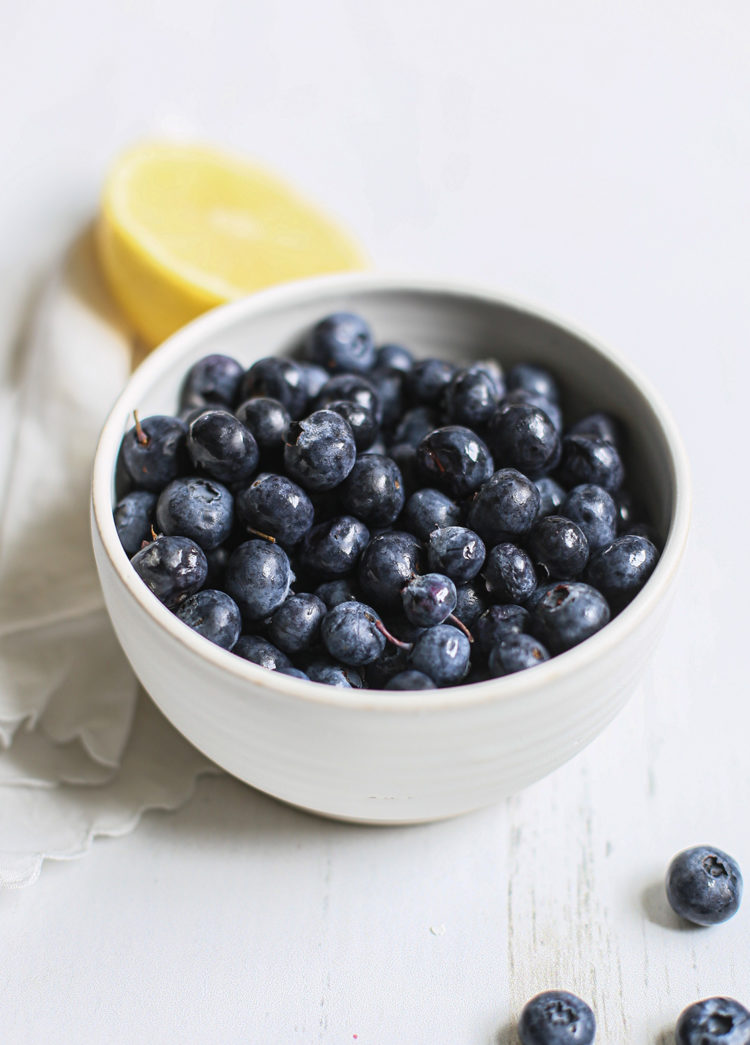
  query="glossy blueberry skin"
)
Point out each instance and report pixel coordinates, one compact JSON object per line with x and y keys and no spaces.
{"x":427,"y":510}
{"x":593,"y":509}
{"x":456,"y":551}
{"x":552,"y":496}
{"x":258,"y":577}
{"x":171,"y":567}
{"x":261,"y":652}
{"x":567,"y":613}
{"x":315,"y":377}
{"x":515,"y":652}
{"x":410,"y":680}
{"x":332,"y":548}
{"x":349,"y":632}
{"x":331,"y":674}
{"x":415,"y":425}
{"x":505,"y":506}
{"x":275,"y":506}
{"x":601,"y":426}
{"x":556,"y":1018}
{"x":552,"y":410}
{"x":509,"y":573}
{"x":154,"y":463}
{"x":621,"y":569}
{"x":133,"y":515}
{"x":471,"y":601}
{"x":714,"y":1021}
{"x":213,"y":615}
{"x":522,"y":436}
{"x":454,"y":459}
{"x":274,"y":378}
{"x":295,"y":626}
{"x":587,"y":459}
{"x":320,"y":451}
{"x":268,"y":421}
{"x":427,"y":380}
{"x":704,"y":885}
{"x":295,"y":673}
{"x":361,"y":421}
{"x":535,"y":380}
{"x":354,"y":388}
{"x":471,"y":398}
{"x":428,"y":600}
{"x":442,"y":653}
{"x":334,"y":592}
{"x":388,"y":562}
{"x":212,"y":381}
{"x":374,"y":490}
{"x":341,"y":341}
{"x":201,"y":509}
{"x":560,"y":546}
{"x":221,"y":445}
{"x":497,"y":622}
{"x":389,"y":384}
{"x":395,"y":357}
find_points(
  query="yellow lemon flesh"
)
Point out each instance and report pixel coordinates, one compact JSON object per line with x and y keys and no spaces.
{"x":184,"y":228}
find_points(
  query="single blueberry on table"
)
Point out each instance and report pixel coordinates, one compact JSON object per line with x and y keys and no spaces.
{"x":153,"y":451}
{"x":374,"y":490}
{"x":471,"y":398}
{"x":388,"y":562}
{"x":552,"y":495}
{"x":504,"y":507}
{"x":320,"y":450}
{"x":360,"y":420}
{"x":560,"y":546}
{"x":274,"y":506}
{"x":427,"y":510}
{"x":588,"y":459}
{"x":332,"y":548}
{"x":471,"y":601}
{"x":522,"y":436}
{"x":133,"y":516}
{"x":221,"y":445}
{"x":274,"y":378}
{"x":295,"y":626}
{"x":515,"y":652}
{"x":341,"y":341}
{"x":621,"y":569}
{"x":442,"y":653}
{"x":456,"y":551}
{"x":268,"y":421}
{"x":352,"y":388}
{"x":330,"y":673}
{"x":509,"y":573}
{"x":415,"y":425}
{"x":213,"y":615}
{"x":595,"y":512}
{"x":536,"y":380}
{"x":351,"y":635}
{"x":704,"y":885}
{"x":556,"y":1018}
{"x":395,"y":357}
{"x":334,"y":592}
{"x":497,"y":622}
{"x":410,"y":680}
{"x":714,"y":1021}
{"x":212,"y":381}
{"x":568,"y":613}
{"x":454,"y":459}
{"x":429,"y":599}
{"x":201,"y":509}
{"x":171,"y":567}
{"x":258,"y":577}
{"x":261,"y":652}
{"x":428,"y":379}
{"x":601,"y":426}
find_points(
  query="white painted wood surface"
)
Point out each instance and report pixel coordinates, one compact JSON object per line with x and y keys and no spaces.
{"x":594,"y":157}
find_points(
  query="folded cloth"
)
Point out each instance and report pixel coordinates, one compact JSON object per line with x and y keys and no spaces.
{"x":72,"y":764}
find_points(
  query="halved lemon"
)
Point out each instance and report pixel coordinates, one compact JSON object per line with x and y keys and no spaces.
{"x":183,"y":228}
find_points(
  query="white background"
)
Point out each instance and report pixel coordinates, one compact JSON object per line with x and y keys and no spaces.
{"x":594,"y":157}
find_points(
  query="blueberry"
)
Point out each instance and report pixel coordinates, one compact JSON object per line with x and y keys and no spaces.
{"x":427,"y":510}
{"x":595,"y":512}
{"x":268,"y":421}
{"x":599,"y":425}
{"x":133,"y":515}
{"x":332,"y":548}
{"x":295,"y":673}
{"x":379,"y":447}
{"x":392,"y":661}
{"x":522,"y":436}
{"x":341,"y":341}
{"x":274,"y":506}
{"x":280,"y":379}
{"x":457,"y":552}
{"x":360,"y":420}
{"x":552,"y":495}
{"x":354,"y":388}
{"x":427,"y":380}
{"x":552,"y":410}
{"x":395,"y":357}
{"x":410,"y":680}
{"x":213,"y":615}
{"x":515,"y":652}
{"x":295,"y":626}
{"x":201,"y":509}
{"x":471,"y":601}
{"x":556,"y":1018}
{"x":714,"y":1021}
{"x":535,"y":380}
{"x":566,"y":614}
{"x":704,"y":885}
{"x":509,"y":573}
{"x":258,"y":577}
{"x":373,"y":490}
{"x":350,"y":634}
{"x":220,"y":444}
{"x":332,"y":674}
{"x":497,"y":622}
{"x":314,"y":377}
{"x":587,"y":459}
{"x":153,"y":451}
{"x":261,"y":652}
{"x":505,"y":506}
{"x":320,"y":451}
{"x":429,"y":599}
{"x":471,"y":398}
{"x":455,"y":460}
{"x":171,"y":567}
{"x":621,"y":569}
{"x":212,"y":381}
{"x":560,"y":546}
{"x":388,"y":562}
{"x":442,"y":653}
{"x":405,"y":457}
{"x":415,"y":425}
{"x":389,"y":384}
{"x":334,"y":592}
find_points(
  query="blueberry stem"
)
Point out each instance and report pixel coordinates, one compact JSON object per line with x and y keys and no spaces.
{"x":154,"y":534}
{"x":265,"y":536}
{"x":139,"y":433}
{"x":461,"y":626}
{"x":391,"y":638}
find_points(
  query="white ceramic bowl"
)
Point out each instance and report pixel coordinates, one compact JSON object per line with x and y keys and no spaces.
{"x":385,"y":757}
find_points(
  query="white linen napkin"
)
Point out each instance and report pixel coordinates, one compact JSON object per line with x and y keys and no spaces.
{"x":81,"y":753}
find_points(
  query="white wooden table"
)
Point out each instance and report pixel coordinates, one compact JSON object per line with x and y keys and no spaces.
{"x":593,"y":157}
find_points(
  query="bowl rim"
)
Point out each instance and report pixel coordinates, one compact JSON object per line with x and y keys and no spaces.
{"x":507,"y":688}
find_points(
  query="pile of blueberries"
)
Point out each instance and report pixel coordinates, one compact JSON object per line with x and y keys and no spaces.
{"x":361,"y":518}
